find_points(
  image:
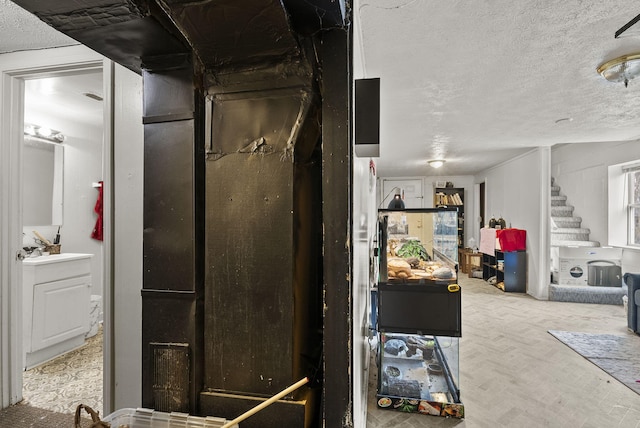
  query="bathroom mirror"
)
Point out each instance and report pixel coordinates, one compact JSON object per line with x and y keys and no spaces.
{"x":42,"y":178}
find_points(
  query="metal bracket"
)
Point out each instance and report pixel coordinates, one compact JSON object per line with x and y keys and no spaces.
{"x":626,"y":26}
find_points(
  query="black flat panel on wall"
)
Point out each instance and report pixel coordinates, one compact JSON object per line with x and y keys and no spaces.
{"x":367,"y":117}
{"x":261,"y":246}
{"x":171,"y":94}
{"x":169,"y":205}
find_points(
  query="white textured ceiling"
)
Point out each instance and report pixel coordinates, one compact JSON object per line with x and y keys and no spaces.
{"x":474,"y":82}
{"x":53,"y":97}
{"x":20,"y":30}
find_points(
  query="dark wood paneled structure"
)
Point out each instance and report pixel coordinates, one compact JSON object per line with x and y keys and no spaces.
{"x":246,"y":198}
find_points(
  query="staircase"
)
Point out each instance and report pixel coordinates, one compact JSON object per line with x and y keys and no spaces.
{"x":567,"y":231}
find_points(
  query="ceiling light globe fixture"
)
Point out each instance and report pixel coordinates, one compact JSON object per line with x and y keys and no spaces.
{"x":436,"y":163}
{"x":621,"y":69}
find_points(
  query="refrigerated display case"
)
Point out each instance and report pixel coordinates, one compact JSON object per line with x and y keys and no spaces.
{"x":419,"y":315}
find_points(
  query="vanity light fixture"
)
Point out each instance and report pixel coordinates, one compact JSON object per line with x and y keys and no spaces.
{"x":436,"y":163}
{"x":621,"y":69}
{"x":42,"y":132}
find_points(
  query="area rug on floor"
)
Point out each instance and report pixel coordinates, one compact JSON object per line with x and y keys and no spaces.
{"x":25,"y":416}
{"x":618,"y":355}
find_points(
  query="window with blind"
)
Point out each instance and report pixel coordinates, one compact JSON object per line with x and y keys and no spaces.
{"x":633,"y":204}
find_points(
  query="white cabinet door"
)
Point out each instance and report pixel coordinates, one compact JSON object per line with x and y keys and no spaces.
{"x":60,"y":311}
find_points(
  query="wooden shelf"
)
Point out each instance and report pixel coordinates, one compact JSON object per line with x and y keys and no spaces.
{"x":452,"y":197}
{"x":512,"y":276}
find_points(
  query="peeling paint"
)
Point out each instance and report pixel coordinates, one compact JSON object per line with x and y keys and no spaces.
{"x":257,"y":146}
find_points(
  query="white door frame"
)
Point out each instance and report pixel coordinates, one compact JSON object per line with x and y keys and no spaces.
{"x":11,"y":136}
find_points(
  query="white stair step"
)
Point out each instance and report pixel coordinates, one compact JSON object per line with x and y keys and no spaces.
{"x":570,"y":229}
{"x":569,"y":236}
{"x":564,"y":211}
{"x":574,"y":243}
{"x":567,"y":222}
{"x":557,"y":201}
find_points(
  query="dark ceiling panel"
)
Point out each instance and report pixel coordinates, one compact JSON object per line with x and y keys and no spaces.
{"x":129,"y":43}
{"x":77,"y":15}
{"x":235,"y":32}
{"x":224,"y":34}
{"x":121,"y":30}
{"x":309,"y":17}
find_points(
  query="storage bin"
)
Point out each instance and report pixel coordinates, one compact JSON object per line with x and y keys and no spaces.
{"x":147,"y":418}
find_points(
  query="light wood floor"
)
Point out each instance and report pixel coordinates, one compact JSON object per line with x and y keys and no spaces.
{"x":513,"y":373}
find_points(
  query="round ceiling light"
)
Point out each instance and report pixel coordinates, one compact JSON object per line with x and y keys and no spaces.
{"x":621,"y":69}
{"x":436,"y":163}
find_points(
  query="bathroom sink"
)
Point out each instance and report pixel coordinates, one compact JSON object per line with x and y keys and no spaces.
{"x":54,"y":258}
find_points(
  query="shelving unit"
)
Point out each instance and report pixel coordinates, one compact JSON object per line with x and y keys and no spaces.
{"x":509,"y":269}
{"x":452,"y":197}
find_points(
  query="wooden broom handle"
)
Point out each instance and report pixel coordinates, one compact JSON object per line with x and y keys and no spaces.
{"x":42,"y":238}
{"x":264,"y":404}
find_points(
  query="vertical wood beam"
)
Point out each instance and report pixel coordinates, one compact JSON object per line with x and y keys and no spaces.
{"x":336,"y":55}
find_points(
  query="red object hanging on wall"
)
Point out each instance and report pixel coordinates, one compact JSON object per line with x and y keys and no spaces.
{"x":97,"y":233}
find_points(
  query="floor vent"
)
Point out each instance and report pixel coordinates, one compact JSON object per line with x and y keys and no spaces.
{"x":171,"y":373}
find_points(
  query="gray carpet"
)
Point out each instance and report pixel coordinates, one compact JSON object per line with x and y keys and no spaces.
{"x":618,"y":355}
{"x":25,"y":416}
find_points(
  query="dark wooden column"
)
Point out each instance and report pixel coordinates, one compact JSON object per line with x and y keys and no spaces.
{"x":336,"y":197}
{"x":173,"y":238}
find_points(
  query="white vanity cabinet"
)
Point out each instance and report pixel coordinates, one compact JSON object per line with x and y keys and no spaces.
{"x":56,"y":296}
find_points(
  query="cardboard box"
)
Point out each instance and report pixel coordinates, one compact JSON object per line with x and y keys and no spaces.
{"x":575,"y":262}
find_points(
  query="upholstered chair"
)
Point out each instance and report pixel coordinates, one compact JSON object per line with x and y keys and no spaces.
{"x":633,"y":294}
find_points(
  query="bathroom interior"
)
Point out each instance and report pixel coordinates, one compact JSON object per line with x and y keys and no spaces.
{"x":61,"y":193}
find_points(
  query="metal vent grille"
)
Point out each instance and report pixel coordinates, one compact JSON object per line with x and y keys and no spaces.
{"x":171,"y":374}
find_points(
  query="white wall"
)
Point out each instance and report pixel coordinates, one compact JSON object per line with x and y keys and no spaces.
{"x":122,"y":341}
{"x":518,"y":190}
{"x":128,"y":146}
{"x":581,"y":171}
{"x":364,"y":227}
{"x":363,"y":233}
{"x":14,"y":66}
{"x":82,"y":167}
{"x":428,"y":186}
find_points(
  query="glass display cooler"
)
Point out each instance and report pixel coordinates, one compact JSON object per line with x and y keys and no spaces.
{"x":418,"y":312}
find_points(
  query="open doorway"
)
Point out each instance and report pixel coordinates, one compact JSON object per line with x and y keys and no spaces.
{"x":481,"y":216}
{"x":61,"y":179}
